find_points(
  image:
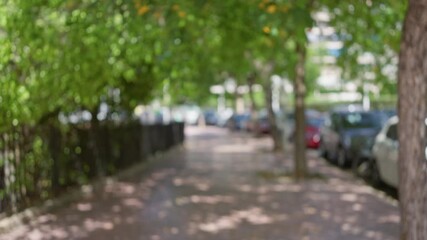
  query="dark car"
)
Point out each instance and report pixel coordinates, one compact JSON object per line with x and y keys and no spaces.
{"x":362,"y":146}
{"x":211,"y":117}
{"x":259,"y":124}
{"x":238,"y":121}
{"x":263,"y":125}
{"x":346,"y":132}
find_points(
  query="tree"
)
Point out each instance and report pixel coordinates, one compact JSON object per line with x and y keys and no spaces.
{"x":412,"y":129}
{"x":301,"y":20}
{"x":371,"y":33}
{"x":65,"y":56}
{"x":250,"y":33}
{"x":279,"y":46}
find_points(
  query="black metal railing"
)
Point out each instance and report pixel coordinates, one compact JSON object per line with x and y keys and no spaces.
{"x":39,"y":163}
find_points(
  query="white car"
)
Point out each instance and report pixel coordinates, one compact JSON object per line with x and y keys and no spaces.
{"x":385,"y":153}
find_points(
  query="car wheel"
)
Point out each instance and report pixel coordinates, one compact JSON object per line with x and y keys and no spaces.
{"x":341,"y":158}
{"x":360,"y":167}
{"x":322,"y":151}
{"x":374,"y":173}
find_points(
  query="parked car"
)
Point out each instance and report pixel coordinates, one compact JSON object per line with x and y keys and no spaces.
{"x":361,"y":145}
{"x":314,"y":119}
{"x":211,"y":117}
{"x":385,"y":154}
{"x":263,"y":125}
{"x":383,"y":166}
{"x":224,"y":116}
{"x":312,"y":131}
{"x":259,"y":125}
{"x":342,"y":128}
{"x":238,"y":121}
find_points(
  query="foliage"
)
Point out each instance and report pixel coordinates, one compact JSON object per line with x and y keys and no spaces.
{"x":373,"y":29}
{"x":66,"y":55}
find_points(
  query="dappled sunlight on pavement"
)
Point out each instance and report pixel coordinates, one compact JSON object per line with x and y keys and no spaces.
{"x":225,"y":186}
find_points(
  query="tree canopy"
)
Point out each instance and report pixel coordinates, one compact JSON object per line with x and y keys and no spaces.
{"x":67,"y":55}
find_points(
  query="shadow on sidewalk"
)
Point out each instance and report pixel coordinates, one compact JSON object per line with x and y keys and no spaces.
{"x":225,"y":186}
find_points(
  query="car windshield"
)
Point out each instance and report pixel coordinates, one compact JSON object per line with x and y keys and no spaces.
{"x":315,"y":122}
{"x":241,"y":117}
{"x":360,"y":120}
{"x":210,"y":113}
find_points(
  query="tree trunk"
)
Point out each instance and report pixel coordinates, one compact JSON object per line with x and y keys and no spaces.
{"x":251,"y":83}
{"x":253,"y":105}
{"x":412,"y":113}
{"x":94,"y":131}
{"x":54,"y":137}
{"x":299,"y":91}
{"x":236,"y":96}
{"x":266,"y":70}
{"x":274,"y":130}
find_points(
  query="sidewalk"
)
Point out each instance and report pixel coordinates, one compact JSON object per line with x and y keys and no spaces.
{"x":224,"y":186}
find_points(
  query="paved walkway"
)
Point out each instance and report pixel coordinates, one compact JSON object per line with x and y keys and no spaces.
{"x":222,"y":186}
